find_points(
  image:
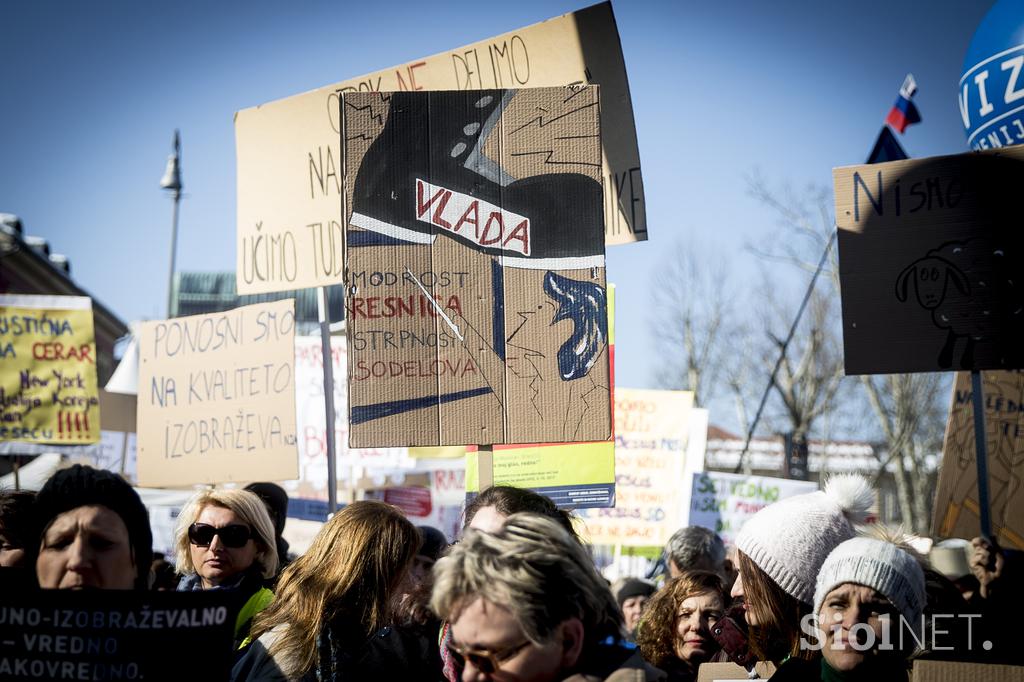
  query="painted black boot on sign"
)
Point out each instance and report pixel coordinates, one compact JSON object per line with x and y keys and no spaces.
{"x":426,"y":174}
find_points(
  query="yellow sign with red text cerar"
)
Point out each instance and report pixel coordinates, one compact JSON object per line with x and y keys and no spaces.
{"x":290,"y":154}
{"x":48,"y":387}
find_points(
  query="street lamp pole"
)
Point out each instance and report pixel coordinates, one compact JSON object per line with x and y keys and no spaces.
{"x":172,"y":182}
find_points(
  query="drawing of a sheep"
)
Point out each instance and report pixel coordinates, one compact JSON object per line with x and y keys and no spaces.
{"x":970,"y":292}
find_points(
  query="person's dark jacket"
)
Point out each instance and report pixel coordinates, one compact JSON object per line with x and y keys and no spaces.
{"x":250,"y":594}
{"x":677,"y":670}
{"x":404,"y":652}
{"x":615,"y":662}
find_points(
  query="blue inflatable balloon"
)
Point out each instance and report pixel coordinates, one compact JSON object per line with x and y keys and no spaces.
{"x":991,"y":91}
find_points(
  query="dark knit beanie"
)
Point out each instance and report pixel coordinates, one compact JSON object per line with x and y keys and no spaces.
{"x":275,"y":499}
{"x":80,"y":486}
{"x":433,"y":544}
{"x":633,"y":588}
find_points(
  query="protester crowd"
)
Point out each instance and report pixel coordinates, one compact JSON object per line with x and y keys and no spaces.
{"x":810,"y":589}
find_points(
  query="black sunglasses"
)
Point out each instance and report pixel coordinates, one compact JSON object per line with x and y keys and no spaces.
{"x":233,"y":536}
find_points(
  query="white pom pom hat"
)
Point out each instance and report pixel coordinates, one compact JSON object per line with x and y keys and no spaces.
{"x":790,"y":539}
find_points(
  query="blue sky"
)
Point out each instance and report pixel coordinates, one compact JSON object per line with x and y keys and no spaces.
{"x":92,"y":92}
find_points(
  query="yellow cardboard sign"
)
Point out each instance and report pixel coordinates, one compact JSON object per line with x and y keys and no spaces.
{"x":573,"y":475}
{"x":48,"y":387}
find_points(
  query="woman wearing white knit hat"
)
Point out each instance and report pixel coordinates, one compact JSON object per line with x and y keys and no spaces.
{"x":781,"y":550}
{"x":869,"y":593}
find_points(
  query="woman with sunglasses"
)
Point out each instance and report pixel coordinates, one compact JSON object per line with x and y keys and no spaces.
{"x":225,"y":541}
{"x":526,"y":603}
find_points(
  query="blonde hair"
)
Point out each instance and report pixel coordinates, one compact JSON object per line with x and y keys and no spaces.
{"x":533,"y":568}
{"x":352,"y":569}
{"x":248,"y":507}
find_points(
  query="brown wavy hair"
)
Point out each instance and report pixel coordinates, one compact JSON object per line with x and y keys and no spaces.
{"x":353,"y":570}
{"x":656,"y":634}
{"x":777,"y":634}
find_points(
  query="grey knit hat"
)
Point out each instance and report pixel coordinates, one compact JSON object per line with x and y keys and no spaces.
{"x":790,"y":539}
{"x":880,"y":565}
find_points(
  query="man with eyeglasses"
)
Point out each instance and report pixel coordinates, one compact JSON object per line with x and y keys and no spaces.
{"x":526,"y":603}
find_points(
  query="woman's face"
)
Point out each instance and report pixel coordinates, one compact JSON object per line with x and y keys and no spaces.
{"x":632,"y":609}
{"x":854,"y":619}
{"x":694,"y":618}
{"x":217,"y":563}
{"x":739,"y":593}
{"x":86,"y":547}
{"x":488,"y":519}
{"x":494,"y":647}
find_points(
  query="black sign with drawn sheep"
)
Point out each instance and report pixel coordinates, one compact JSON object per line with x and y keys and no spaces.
{"x":931,"y":264}
{"x":972,"y":294}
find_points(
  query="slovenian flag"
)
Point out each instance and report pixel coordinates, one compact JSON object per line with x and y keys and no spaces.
{"x":904,"y":112}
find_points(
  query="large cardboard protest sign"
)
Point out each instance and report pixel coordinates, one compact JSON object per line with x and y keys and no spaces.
{"x":477,"y":305}
{"x":651,"y":431}
{"x":724,"y":502}
{"x":956,"y":503}
{"x":931,"y":263}
{"x":115,"y":635}
{"x":289,"y":152}
{"x":217,"y":397}
{"x":48,"y":388}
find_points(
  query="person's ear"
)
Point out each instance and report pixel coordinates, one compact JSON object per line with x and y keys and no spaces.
{"x":571,"y":638}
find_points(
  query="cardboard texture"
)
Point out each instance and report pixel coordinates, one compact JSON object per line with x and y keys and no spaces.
{"x":711,"y":672}
{"x":956,"y":511}
{"x":289,"y":154}
{"x":217,"y":397}
{"x":723,"y":502}
{"x":476,"y":300}
{"x":118,"y":410}
{"x":651,"y":431}
{"x":945,"y":671}
{"x":48,"y":387}
{"x":931,"y":263}
{"x":573,"y":475}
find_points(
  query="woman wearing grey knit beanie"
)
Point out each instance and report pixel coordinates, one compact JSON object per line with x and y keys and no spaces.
{"x":870,"y":594}
{"x":781,"y":550}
